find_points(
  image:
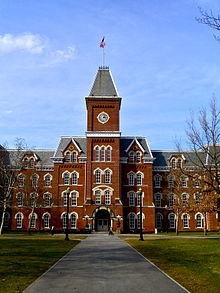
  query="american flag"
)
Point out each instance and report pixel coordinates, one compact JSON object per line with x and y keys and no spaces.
{"x":102,"y":44}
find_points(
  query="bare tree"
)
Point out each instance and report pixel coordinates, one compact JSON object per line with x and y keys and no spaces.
{"x":208,"y":18}
{"x":10,"y":163}
{"x":203,"y":135}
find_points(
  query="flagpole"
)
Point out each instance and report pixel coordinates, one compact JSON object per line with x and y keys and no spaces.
{"x":102,"y":45}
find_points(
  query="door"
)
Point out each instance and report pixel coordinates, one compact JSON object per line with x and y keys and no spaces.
{"x":102,"y":225}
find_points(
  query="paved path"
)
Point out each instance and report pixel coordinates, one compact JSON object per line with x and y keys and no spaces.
{"x":104,"y":264}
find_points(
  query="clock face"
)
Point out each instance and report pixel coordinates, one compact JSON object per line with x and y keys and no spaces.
{"x":103,"y":117}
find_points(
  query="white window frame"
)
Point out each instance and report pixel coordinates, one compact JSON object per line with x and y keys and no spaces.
{"x":108,"y":176}
{"x":98,"y":176}
{"x":139,"y":178}
{"x":131,"y":178}
{"x":46,"y":220}
{"x":185,"y":219}
{"x":21,"y":180}
{"x":73,"y":220}
{"x":19,"y":220}
{"x":158,"y":199}
{"x":157,"y":181}
{"x":131,"y":220}
{"x":47,"y":199}
{"x":19,"y":198}
{"x":172,"y":220}
{"x":131,"y":198}
{"x":98,"y":197}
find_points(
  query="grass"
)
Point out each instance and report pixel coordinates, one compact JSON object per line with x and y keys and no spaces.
{"x":23,"y":260}
{"x":194,"y":263}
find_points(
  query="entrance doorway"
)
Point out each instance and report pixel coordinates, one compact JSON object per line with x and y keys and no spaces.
{"x":102,"y":221}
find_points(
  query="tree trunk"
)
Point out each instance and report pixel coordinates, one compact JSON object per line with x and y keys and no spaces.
{"x":205,"y":224}
{"x":177,"y":224}
{"x":3,"y":217}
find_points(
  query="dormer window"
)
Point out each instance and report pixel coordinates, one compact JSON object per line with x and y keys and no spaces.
{"x":131,"y":156}
{"x":138,"y":157}
{"x":31,"y":163}
{"x":179,"y":163}
{"x":67,"y":158}
{"x":173,"y":163}
{"x":25,"y":163}
{"x":74,"y":157}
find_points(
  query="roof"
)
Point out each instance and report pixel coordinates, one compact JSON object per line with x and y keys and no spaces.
{"x":104,"y":85}
{"x":126,"y":142}
{"x":44,"y":156}
{"x":80,"y":141}
{"x":162,"y":157}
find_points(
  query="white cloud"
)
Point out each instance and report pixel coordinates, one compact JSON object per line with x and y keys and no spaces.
{"x":59,"y":56}
{"x":25,"y":42}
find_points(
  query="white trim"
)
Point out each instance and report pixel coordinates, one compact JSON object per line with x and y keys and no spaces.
{"x":103,"y":134}
{"x":137,"y":142}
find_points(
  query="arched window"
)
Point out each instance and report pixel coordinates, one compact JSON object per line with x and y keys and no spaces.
{"x":173,"y":164}
{"x":170,"y":200}
{"x":107,"y":195}
{"x":73,"y":198}
{"x":25,"y":163}
{"x":138,"y":157}
{"x":6,"y":220}
{"x":131,"y":156}
{"x":157,"y":181}
{"x":67,"y":158}
{"x":64,"y":220}
{"x":98,"y":176}
{"x":31,"y":163}
{"x":19,"y":199}
{"x":47,"y":180}
{"x":198,"y":220}
{"x":46,"y":220}
{"x":97,"y":154}
{"x":159,"y":219}
{"x":74,"y":178}
{"x":179,"y":163}
{"x":131,"y":219}
{"x":139,"y":177}
{"x":73,"y":220}
{"x":131,"y":177}
{"x":170,"y":179}
{"x":33,"y":218}
{"x":66,"y":178}
{"x":19,"y":219}
{"x":158,"y":197}
{"x":97,"y":197}
{"x":34,"y":180}
{"x":108,"y":157}
{"x":74,"y":157}
{"x":185,"y":219}
{"x":47,"y":198}
{"x":107,"y":176}
{"x":21,"y":180}
{"x":102,"y":153}
{"x":172,"y":220}
{"x":131,"y":196}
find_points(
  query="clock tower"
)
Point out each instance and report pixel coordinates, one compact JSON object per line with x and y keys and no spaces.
{"x":103,"y":192}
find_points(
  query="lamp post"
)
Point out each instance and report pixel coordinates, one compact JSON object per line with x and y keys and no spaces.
{"x":139,"y":193}
{"x":67,"y":214}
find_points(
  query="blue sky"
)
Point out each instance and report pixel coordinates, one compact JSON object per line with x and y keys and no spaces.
{"x":164,"y":63}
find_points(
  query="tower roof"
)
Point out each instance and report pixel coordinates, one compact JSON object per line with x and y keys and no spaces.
{"x":104,"y":85}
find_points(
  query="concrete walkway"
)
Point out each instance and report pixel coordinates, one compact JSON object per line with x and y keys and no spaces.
{"x":104,"y":264}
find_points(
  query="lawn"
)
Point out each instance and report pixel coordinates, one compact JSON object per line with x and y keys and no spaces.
{"x":23,"y":260}
{"x":194,"y":263}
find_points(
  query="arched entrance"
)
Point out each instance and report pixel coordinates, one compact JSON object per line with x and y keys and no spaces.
{"x":102,"y":220}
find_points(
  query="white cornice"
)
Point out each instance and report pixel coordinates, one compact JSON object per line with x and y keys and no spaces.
{"x":103,"y":134}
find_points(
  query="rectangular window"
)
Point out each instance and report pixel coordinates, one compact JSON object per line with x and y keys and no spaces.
{"x":107,"y":197}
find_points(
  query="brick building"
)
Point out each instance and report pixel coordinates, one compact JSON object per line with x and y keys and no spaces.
{"x":101,"y":173}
